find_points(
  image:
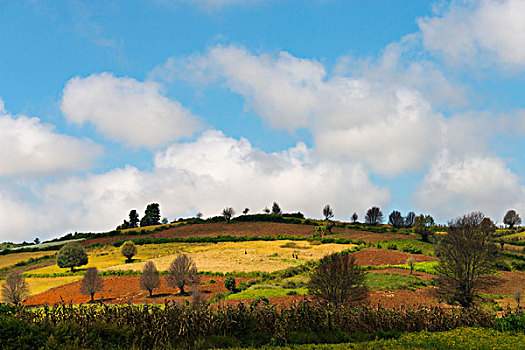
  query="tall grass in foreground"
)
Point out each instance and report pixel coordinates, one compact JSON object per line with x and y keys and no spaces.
{"x":182,"y":326}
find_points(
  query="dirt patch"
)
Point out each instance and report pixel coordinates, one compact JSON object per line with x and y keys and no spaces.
{"x":508,"y":283}
{"x":379,"y":257}
{"x":251,"y":229}
{"x":123,"y":290}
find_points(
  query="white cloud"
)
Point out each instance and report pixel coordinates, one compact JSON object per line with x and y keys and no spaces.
{"x":380,"y":113}
{"x":206,"y":175}
{"x":30,"y":147}
{"x":454,"y":186}
{"x":477,"y":31}
{"x":127,"y":110}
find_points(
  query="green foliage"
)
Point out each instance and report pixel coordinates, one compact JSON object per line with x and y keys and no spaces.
{"x":387,"y":281}
{"x":128,"y":250}
{"x":151,"y":215}
{"x":72,"y":255}
{"x":230,"y":284}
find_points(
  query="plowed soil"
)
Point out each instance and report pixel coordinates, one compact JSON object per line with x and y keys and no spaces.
{"x":379,"y":257}
{"x":123,"y":290}
{"x":250,"y":229}
{"x":422,"y":275}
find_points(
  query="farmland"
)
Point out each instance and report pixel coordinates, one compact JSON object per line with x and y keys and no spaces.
{"x":268,"y":267}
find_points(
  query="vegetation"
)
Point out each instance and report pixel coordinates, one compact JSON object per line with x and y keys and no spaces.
{"x":374,"y":216}
{"x":468,"y":258}
{"x":15,"y":288}
{"x":228,"y":213}
{"x":151,"y":215}
{"x":276,"y":209}
{"x":338,"y":281}
{"x":149,"y":279}
{"x":129,"y":250}
{"x":396,"y":219}
{"x":72,"y":255}
{"x":91,"y":283}
{"x":511,"y":219}
{"x":182,"y":271}
{"x":230,"y":284}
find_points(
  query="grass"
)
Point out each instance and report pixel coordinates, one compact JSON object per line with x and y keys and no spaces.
{"x":39,"y":285}
{"x":460,"y":339}
{"x":389,"y":281}
{"x":255,"y":292}
{"x":519,"y":235}
{"x":11,"y":259}
{"x":401,"y":244}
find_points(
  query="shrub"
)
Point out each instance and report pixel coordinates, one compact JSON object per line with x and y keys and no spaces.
{"x":149,"y":279}
{"x":230,"y":284}
{"x":91,"y":283}
{"x":128,"y":250}
{"x":72,"y":255}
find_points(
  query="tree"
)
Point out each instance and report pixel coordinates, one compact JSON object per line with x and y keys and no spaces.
{"x":354,"y":218}
{"x":411,"y":263}
{"x":276,"y":209}
{"x":410,"y":219}
{"x":151,"y":215}
{"x":133,"y":219}
{"x":149,"y":279}
{"x":266,"y":210}
{"x":396,"y":219}
{"x":37,"y":241}
{"x":338,"y":280}
{"x":328,"y":213}
{"x":374,"y":216}
{"x":422,"y":227}
{"x":198,"y":215}
{"x":91,"y":283}
{"x":128,"y":249}
{"x":511,"y":219}
{"x":15,"y":288}
{"x":518,"y":293}
{"x":468,"y":258}
{"x":228,"y":212}
{"x":245,"y":211}
{"x":72,"y":255}
{"x":488,"y":226}
{"x":230,"y":284}
{"x":182,"y":271}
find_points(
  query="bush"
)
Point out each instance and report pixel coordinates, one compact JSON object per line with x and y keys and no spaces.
{"x":230,"y":284}
{"x":411,"y":249}
{"x":391,"y":246}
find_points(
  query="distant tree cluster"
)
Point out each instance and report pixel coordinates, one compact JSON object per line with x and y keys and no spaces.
{"x":151,"y":217}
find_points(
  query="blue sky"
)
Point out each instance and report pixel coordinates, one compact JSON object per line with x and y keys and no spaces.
{"x":202,"y":104}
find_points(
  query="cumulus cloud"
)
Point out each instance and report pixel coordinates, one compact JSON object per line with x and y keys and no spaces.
{"x":380,"y":114}
{"x":207,"y":175}
{"x":127,"y":110}
{"x":477,"y":31}
{"x":30,"y":147}
{"x":455,"y":186}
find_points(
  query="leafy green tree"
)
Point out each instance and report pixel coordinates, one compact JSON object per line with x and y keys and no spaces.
{"x":91,"y":283}
{"x":149,"y":279}
{"x":276,"y":209}
{"x":422,"y":224}
{"x":374,"y":216}
{"x":230,"y":284}
{"x":468,"y":258}
{"x":133,"y":219}
{"x":37,"y":241}
{"x":151,"y":215}
{"x":15,"y":288}
{"x":129,"y":250}
{"x":72,"y":255}
{"x":338,"y":281}
{"x":511,"y":219}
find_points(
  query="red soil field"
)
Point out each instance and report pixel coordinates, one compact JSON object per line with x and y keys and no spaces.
{"x":378,"y":257}
{"x":424,"y":276}
{"x":124,"y":290}
{"x":250,"y":229}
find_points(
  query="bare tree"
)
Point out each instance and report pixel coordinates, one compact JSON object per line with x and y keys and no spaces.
{"x":91,"y":283}
{"x":182,"y":271}
{"x":468,"y":258}
{"x":328,"y":213}
{"x":512,"y":218}
{"x":128,"y":249}
{"x":396,"y":219}
{"x":228,"y":213}
{"x":518,"y":293}
{"x":374,"y":216}
{"x":149,"y":279}
{"x":410,"y":218}
{"x":338,"y":280}
{"x":15,"y":288}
